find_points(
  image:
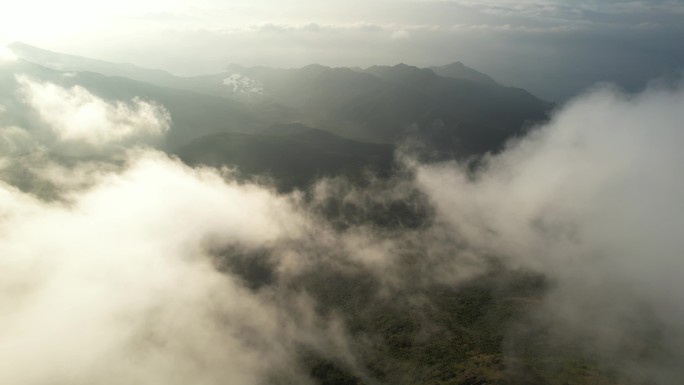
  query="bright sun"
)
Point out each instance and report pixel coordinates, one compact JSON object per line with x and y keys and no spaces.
{"x":44,"y":21}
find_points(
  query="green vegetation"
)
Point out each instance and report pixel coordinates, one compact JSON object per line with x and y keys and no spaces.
{"x":482,"y":331}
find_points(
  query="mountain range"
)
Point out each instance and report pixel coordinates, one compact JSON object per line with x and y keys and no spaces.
{"x":244,"y":116}
{"x":287,"y":129}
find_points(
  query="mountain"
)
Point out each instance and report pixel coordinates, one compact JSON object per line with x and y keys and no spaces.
{"x":391,"y":104}
{"x":214,"y":85}
{"x":461,"y":114}
{"x":293,"y":155}
{"x":193,"y":114}
{"x":458,"y":70}
{"x":411,"y":319}
{"x":65,"y":62}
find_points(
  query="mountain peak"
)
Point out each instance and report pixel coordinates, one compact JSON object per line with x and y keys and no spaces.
{"x":458,"y":70}
{"x":67,"y":62}
{"x":456,"y":64}
{"x":19,"y":44}
{"x":401,"y":72}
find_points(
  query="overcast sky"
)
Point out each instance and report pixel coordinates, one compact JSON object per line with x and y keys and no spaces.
{"x":548,"y":46}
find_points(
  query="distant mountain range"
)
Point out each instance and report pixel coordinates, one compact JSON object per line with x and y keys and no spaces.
{"x":294,"y":126}
{"x":232,"y":117}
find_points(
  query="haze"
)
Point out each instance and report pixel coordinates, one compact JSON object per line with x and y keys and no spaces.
{"x":568,"y":44}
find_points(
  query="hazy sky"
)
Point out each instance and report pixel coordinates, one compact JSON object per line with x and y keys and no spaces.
{"x":544,"y":45}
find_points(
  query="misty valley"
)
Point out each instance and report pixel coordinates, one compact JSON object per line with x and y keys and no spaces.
{"x":392,"y":224}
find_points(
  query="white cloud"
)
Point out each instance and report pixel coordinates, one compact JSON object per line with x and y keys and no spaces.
{"x":115,"y":283}
{"x":6,"y":55}
{"x":594,"y":200}
{"x":112,"y":280}
{"x":76,"y":115}
{"x":401,"y":34}
{"x":117,"y":287}
{"x":14,"y":140}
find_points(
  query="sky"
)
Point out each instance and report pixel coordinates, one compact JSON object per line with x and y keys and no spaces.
{"x":569,"y":45}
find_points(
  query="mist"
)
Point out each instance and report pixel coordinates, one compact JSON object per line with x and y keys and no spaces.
{"x":593,"y":200}
{"x":553,"y":48}
{"x":118,"y":261}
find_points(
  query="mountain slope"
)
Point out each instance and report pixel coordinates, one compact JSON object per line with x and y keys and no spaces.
{"x":193,"y":114}
{"x":293,"y":158}
{"x":65,"y":62}
{"x":458,"y":70}
{"x":460,"y":115}
{"x":465,"y":114}
{"x":210,"y":85}
{"x":389,"y":104}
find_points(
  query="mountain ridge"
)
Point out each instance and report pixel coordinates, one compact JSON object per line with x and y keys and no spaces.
{"x":459,"y":117}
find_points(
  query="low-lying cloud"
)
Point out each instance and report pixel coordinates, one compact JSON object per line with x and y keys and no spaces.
{"x":112,"y":275}
{"x":116,"y":285}
{"x":76,"y":115}
{"x":594,"y":200}
{"x":6,"y":55}
{"x":110,"y":257}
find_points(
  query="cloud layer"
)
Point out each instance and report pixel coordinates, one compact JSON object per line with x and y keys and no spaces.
{"x":76,"y":115}
{"x":113,"y":275}
{"x":112,"y":282}
{"x":594,"y":200}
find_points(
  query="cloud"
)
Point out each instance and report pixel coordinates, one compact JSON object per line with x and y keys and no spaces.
{"x":118,"y":285}
{"x":14,"y":140}
{"x":593,"y":200}
{"x":6,"y":55}
{"x":127,"y":274}
{"x":121,"y":267}
{"x":400,"y":35}
{"x":470,"y":28}
{"x":112,"y":278}
{"x":76,"y":115}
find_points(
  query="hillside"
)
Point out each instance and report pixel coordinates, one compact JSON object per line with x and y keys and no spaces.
{"x":293,"y":159}
{"x":460,"y":114}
